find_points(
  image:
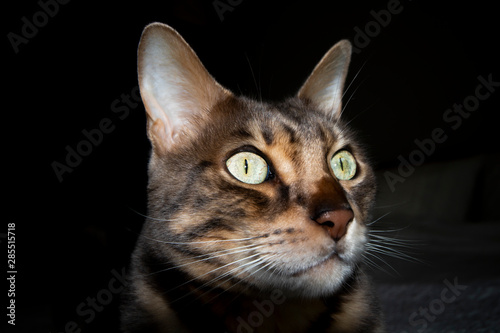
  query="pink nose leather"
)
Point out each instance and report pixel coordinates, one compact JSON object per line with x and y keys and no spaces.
{"x":335,"y":222}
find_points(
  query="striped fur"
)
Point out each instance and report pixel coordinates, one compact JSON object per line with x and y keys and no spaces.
{"x":214,"y":252}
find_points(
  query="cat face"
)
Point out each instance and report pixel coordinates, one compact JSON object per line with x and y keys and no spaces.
{"x":248,"y":195}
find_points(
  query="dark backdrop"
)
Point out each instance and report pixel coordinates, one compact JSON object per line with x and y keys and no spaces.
{"x":71,"y":69}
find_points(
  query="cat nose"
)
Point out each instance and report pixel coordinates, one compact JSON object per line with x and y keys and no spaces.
{"x":335,"y":222}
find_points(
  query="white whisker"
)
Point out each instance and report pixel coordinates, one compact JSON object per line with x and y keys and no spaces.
{"x":231,"y":275}
{"x":374,"y":265}
{"x":257,"y":86}
{"x":203,"y":242}
{"x":210,"y":256}
{"x":210,"y":272}
{"x":373,"y":222}
{"x":347,"y":89}
{"x":245,"y":270}
{"x":392,"y":205}
{"x":407,"y":243}
{"x":390,"y":252}
{"x":350,"y":97}
{"x":354,"y":78}
{"x":153,"y":218}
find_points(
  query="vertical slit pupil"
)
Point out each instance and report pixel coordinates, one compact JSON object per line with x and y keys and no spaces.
{"x":246,"y":166}
{"x":341,"y":164}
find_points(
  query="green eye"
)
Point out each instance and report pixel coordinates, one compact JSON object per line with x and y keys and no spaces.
{"x":248,"y":168}
{"x":343,"y":165}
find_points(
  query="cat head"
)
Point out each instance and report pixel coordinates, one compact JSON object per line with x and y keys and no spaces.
{"x":246,"y":194}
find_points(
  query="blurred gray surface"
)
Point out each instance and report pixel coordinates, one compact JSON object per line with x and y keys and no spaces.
{"x":446,"y":216}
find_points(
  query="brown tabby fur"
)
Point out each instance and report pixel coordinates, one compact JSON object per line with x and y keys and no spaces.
{"x":220,"y":255}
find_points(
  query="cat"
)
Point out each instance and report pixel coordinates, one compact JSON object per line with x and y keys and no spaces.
{"x":257,"y":211}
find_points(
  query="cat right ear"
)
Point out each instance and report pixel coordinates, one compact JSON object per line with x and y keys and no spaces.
{"x":324,"y":87}
{"x":175,"y":86}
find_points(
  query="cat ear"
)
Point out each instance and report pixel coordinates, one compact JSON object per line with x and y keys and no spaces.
{"x":325,"y":85}
{"x":174,"y":85}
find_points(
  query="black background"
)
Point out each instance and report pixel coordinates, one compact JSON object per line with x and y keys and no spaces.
{"x":72,"y":233}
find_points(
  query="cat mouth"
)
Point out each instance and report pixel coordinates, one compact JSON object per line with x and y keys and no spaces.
{"x":334,"y":256}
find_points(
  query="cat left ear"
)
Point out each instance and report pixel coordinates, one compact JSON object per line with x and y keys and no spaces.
{"x":175,"y":86}
{"x":324,"y":87}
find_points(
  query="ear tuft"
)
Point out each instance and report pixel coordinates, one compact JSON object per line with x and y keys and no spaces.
{"x":175,"y":86}
{"x":325,"y":85}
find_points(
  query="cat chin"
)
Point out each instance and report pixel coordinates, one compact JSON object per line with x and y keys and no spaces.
{"x":319,"y":281}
